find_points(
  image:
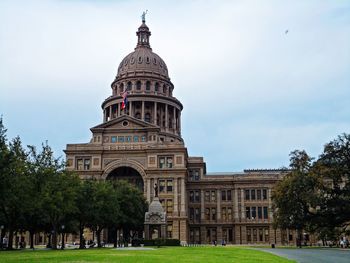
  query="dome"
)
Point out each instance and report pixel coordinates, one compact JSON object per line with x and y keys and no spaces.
{"x":143,"y":59}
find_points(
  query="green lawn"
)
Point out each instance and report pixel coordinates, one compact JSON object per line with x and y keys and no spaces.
{"x":164,"y":254}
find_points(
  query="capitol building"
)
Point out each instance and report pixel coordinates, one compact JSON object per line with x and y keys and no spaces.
{"x":140,"y":141}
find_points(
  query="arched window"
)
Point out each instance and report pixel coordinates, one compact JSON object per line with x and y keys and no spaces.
{"x":148,"y":117}
{"x":138,"y":115}
{"x":129,"y":85}
{"x":156,"y":87}
{"x":121,"y":88}
{"x":148,"y":86}
{"x":138,"y":85}
{"x":164,"y":89}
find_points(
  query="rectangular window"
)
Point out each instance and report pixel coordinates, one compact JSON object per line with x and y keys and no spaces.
{"x":136,"y":138}
{"x":253,"y":212}
{"x":196,"y":175}
{"x":247,"y":212}
{"x":223,"y":213}
{"x":114,"y":139}
{"x":252,"y":194}
{"x":165,"y":162}
{"x":169,"y":162}
{"x":80,"y":165}
{"x":260,"y":212}
{"x":120,"y":138}
{"x":196,"y":196}
{"x":207,"y":196}
{"x":161,"y":186}
{"x":128,"y":138}
{"x":249,"y":238}
{"x":265,"y":212}
{"x":169,"y":186}
{"x":161,"y":162}
{"x":213,"y":214}
{"x":213,"y":196}
{"x":258,"y":194}
{"x":169,"y":231}
{"x":191,"y":196}
{"x":247,"y":194}
{"x":254,"y":235}
{"x":86,"y":164}
{"x":143,"y":138}
{"x":191,"y":214}
{"x":197,"y":214}
{"x":264,"y":194}
{"x":260,"y":234}
{"x":207,"y":214}
{"x":223,"y":195}
{"x":169,"y":206}
{"x":229,"y":196}
{"x":229,"y":213}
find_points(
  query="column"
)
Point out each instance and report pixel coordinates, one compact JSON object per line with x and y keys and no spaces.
{"x":155,"y":113}
{"x":218,"y":206}
{"x":179,"y":128}
{"x":166,"y":117}
{"x":143,"y":111}
{"x":242,"y":204}
{"x":130,"y":108}
{"x":174,"y":119}
{"x":176,"y":205}
{"x":235,"y":206}
{"x":183,"y":207}
{"x":202,"y":206}
{"x":118,"y":106}
{"x":104,"y":115}
{"x":270,"y":212}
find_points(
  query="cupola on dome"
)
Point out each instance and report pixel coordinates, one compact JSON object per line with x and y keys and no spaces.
{"x":143,"y":59}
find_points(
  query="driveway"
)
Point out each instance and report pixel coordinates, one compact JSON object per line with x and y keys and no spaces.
{"x":312,"y":255}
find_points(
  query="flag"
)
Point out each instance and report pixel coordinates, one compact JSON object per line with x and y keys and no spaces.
{"x":125,"y":99}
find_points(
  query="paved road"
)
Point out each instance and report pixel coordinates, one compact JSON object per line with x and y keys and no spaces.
{"x":310,"y":255}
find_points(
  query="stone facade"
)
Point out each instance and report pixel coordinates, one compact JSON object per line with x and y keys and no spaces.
{"x":142,"y":143}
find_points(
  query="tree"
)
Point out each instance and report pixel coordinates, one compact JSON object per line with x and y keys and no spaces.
{"x":294,"y":195}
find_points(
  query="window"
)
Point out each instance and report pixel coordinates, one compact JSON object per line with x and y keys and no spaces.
{"x":169,"y":206}
{"x":249,"y":238}
{"x":121,"y":88}
{"x":161,"y":186}
{"x":148,"y":117}
{"x":207,"y":214}
{"x":128,"y":138}
{"x":191,"y":214}
{"x":169,"y":186}
{"x":223,"y":195}
{"x":247,"y":194}
{"x":223,"y":212}
{"x":229,"y":196}
{"x":80,"y":164}
{"x":156,"y":87}
{"x":169,"y":231}
{"x":264,"y":194}
{"x":207,"y":196}
{"x":129,"y":87}
{"x":136,"y":138}
{"x":213,"y":196}
{"x":213,"y":214}
{"x":260,"y":234}
{"x":164,"y":89}
{"x":252,"y":194}
{"x":193,"y":175}
{"x":87,"y":164}
{"x":120,"y":138}
{"x":114,"y":139}
{"x":196,"y":196}
{"x":138,"y":85}
{"x":143,"y":138}
{"x":197,"y":214}
{"x":229,"y":213}
{"x":260,"y":212}
{"x":265,"y":212}
{"x":165,"y":162}
{"x":247,"y":212}
{"x":253,"y":212}
{"x":258,"y":194}
{"x":191,"y":196}
{"x":148,"y":86}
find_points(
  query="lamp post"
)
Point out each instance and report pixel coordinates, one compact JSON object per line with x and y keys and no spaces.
{"x":62,"y":227}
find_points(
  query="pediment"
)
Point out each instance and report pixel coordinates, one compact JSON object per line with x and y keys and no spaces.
{"x":124,"y":123}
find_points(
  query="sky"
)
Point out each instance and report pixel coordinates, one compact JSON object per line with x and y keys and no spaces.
{"x":258,"y":79}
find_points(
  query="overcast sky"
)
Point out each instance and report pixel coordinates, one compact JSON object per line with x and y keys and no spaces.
{"x":252,"y":92}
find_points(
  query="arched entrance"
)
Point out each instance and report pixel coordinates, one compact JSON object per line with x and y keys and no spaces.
{"x":128,"y":174}
{"x":133,"y":177}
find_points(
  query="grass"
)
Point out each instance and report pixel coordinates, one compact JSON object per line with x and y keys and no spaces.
{"x":163,"y":254}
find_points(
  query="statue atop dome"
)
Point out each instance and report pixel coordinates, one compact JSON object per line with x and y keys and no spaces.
{"x":143,"y":16}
